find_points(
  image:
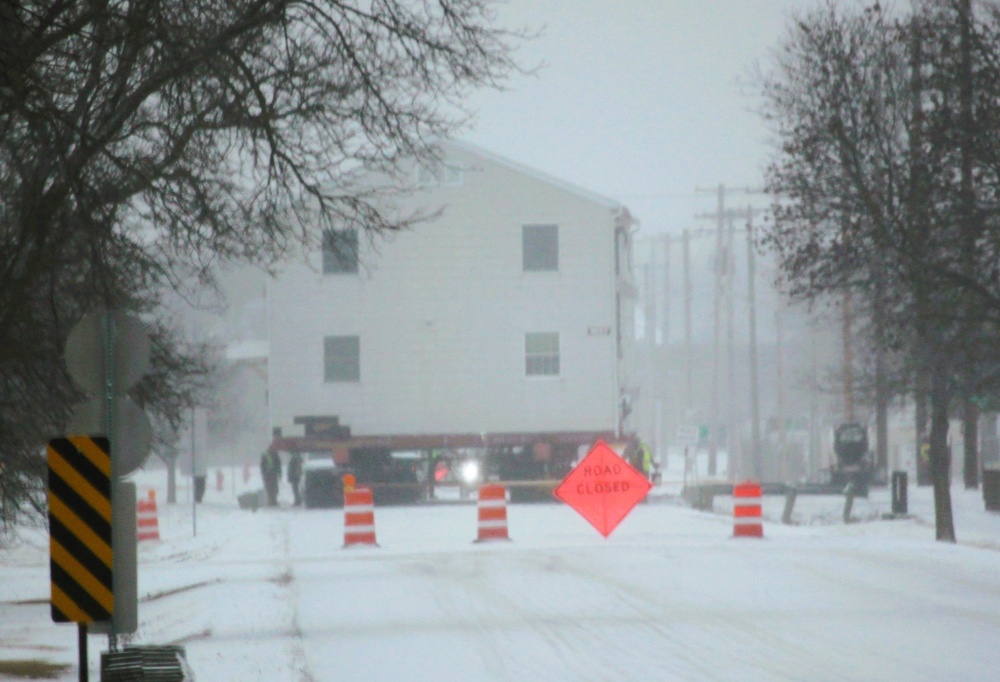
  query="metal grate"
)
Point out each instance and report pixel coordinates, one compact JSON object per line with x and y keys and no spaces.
{"x":144,"y":664}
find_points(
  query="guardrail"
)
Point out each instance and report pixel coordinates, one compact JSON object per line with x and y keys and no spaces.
{"x":702,"y":495}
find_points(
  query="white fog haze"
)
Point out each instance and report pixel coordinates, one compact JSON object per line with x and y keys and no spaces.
{"x":598,"y":262}
{"x":654,"y":106}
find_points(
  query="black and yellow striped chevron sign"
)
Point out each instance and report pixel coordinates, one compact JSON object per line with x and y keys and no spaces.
{"x":80,"y":558}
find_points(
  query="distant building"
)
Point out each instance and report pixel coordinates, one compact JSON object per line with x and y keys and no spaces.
{"x":507,"y":320}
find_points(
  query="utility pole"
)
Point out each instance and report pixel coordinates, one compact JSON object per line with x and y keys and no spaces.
{"x":713,"y":429}
{"x":688,"y":350}
{"x":650,"y":309}
{"x":664,"y":355}
{"x":813,"y":403}
{"x":755,"y":454}
{"x":723,"y":283}
{"x":848,"y":359}
{"x":732,"y":441}
{"x":972,"y":229}
{"x":665,"y":312}
{"x":650,"y":407}
{"x":661,"y":414}
{"x":917,"y":207}
{"x":782,"y":459}
{"x":881,"y":380}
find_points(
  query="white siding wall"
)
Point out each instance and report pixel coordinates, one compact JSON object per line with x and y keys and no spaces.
{"x":442,"y":310}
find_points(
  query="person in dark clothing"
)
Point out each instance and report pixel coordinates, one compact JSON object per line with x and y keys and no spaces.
{"x":199,"y":488}
{"x":270,"y":471}
{"x":295,"y":475}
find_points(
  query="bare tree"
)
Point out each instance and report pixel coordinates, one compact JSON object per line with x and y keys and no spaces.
{"x":838,"y":101}
{"x":888,"y":186}
{"x":141,"y":143}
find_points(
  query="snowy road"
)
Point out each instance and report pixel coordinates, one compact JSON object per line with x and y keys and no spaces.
{"x":669,"y":596}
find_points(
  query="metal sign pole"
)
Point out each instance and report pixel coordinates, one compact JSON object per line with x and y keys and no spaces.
{"x":109,"y":428}
{"x":106,"y":353}
{"x":194,"y":469}
{"x":82,"y":640}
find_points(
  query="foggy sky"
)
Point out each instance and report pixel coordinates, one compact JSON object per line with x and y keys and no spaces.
{"x":639,"y":100}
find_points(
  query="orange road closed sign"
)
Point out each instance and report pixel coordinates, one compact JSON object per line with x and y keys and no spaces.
{"x":603,"y":488}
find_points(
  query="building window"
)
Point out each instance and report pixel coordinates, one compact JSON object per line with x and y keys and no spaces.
{"x":541,"y":247}
{"x":541,"y":354}
{"x":340,"y":251}
{"x":342,"y":359}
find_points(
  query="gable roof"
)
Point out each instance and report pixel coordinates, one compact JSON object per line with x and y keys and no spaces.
{"x":536,"y":174}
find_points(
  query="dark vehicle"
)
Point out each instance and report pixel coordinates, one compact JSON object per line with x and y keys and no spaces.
{"x":322,"y":485}
{"x":854,"y":462}
{"x":392,"y":481}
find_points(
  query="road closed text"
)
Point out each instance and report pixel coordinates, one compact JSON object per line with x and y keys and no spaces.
{"x":603,"y":486}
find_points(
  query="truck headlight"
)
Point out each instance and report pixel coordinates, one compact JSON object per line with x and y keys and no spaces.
{"x":469,"y":471}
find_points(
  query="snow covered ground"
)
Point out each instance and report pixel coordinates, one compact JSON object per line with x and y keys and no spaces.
{"x":273,"y":596}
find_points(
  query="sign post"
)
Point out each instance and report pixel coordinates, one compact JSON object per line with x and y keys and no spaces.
{"x":107,"y":353}
{"x":81,"y":559}
{"x":603,"y":488}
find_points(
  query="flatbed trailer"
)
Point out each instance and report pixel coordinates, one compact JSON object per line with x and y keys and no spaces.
{"x":530,"y":464}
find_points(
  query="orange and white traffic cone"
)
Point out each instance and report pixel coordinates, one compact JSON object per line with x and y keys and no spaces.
{"x":747,"y":511}
{"x":492,"y":513}
{"x":147,"y":524}
{"x":359,"y":518}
